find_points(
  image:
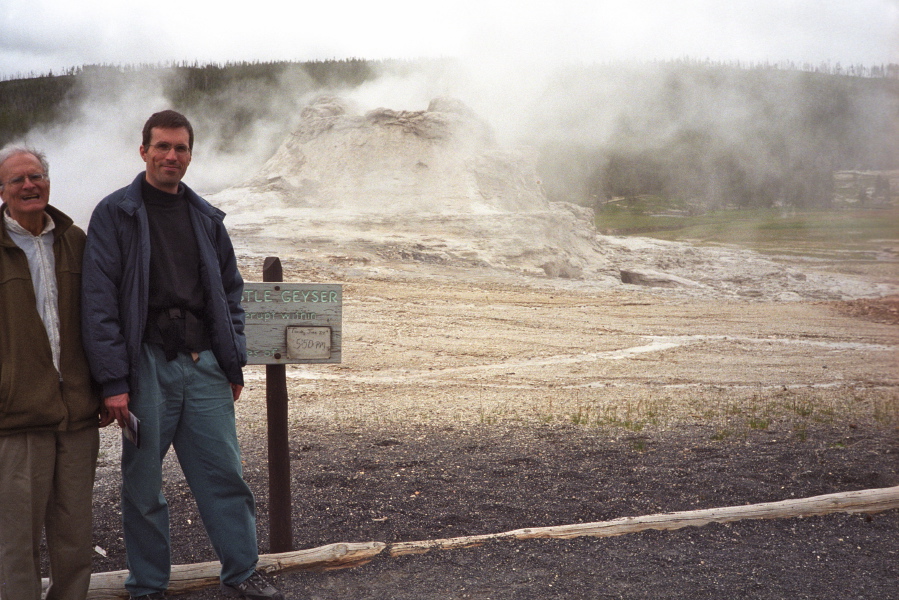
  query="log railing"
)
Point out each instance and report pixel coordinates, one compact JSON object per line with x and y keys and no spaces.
{"x":338,"y":556}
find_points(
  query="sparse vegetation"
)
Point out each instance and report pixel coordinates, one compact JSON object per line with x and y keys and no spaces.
{"x":730,"y":412}
{"x":758,"y":423}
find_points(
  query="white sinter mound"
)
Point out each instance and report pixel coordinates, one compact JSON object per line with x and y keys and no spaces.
{"x":419,"y":190}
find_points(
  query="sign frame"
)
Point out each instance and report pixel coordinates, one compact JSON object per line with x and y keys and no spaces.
{"x":271,"y":308}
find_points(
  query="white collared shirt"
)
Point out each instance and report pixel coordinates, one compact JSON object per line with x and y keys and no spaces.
{"x":39,"y":251}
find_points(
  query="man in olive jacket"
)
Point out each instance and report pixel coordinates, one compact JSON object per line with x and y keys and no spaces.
{"x":48,"y":406}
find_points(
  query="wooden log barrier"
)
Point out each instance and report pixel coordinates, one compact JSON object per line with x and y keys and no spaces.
{"x":862,"y":501}
{"x":338,"y":556}
{"x":186,"y":578}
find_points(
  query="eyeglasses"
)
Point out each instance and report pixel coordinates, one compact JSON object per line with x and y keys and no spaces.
{"x":34,"y":178}
{"x":165,"y":148}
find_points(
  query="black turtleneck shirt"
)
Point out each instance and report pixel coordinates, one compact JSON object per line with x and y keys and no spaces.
{"x":174,"y":274}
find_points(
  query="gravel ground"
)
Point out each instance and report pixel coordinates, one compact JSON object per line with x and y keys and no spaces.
{"x":479,"y":407}
{"x":394,"y":485}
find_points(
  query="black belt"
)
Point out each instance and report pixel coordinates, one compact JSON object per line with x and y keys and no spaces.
{"x":178,"y":330}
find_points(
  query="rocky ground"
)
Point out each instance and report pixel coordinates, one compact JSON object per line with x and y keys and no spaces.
{"x":469,"y":403}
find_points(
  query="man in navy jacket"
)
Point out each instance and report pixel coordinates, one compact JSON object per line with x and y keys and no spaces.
{"x":164,"y":334}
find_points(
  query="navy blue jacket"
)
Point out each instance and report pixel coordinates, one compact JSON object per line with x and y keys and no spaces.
{"x":116,"y":280}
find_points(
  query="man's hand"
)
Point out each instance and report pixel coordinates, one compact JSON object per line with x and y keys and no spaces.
{"x":235,"y":391}
{"x":117,"y":408}
{"x":105,"y":417}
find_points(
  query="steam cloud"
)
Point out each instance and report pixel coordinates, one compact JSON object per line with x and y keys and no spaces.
{"x":97,"y":152}
{"x":630,"y":107}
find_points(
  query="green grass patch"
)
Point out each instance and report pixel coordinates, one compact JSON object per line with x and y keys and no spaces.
{"x":819,"y":232}
{"x":758,"y":423}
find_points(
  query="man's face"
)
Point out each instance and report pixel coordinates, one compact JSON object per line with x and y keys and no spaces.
{"x":167,"y":157}
{"x":25,"y":198}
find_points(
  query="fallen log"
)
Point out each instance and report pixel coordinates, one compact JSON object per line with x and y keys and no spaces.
{"x":338,"y":556}
{"x":185,"y":578}
{"x":862,"y":501}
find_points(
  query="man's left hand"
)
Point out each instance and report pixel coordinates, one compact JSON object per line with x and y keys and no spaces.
{"x":105,"y":417}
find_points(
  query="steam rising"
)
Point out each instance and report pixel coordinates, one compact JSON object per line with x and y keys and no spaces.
{"x":576,"y":116}
{"x":97,"y":152}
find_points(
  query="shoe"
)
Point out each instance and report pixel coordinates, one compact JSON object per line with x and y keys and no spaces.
{"x":153,"y":596}
{"x":255,"y":587}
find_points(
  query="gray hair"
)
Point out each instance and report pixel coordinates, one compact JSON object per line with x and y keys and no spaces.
{"x":10,"y":151}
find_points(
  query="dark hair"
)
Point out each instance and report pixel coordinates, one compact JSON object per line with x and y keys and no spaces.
{"x":167,"y":119}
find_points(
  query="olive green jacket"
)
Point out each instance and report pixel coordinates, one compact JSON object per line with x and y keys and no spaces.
{"x":33,"y":395}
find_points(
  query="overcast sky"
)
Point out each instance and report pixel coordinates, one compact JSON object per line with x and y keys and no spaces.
{"x":51,"y":35}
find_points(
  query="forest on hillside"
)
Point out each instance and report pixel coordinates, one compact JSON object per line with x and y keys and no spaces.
{"x":706,"y":135}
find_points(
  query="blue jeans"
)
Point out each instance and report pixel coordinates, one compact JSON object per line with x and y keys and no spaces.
{"x":187,"y":405}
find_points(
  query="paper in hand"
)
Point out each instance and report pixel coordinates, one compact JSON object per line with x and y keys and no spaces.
{"x":131,"y":430}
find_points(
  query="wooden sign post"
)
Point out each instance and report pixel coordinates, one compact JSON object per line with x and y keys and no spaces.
{"x":287,"y":323}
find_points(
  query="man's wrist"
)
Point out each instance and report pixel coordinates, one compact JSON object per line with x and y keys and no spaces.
{"x":115,"y":388}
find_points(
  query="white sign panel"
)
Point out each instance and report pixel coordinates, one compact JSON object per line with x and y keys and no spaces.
{"x":289,"y":323}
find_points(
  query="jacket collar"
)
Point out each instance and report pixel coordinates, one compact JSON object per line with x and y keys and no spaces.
{"x":132,"y":200}
{"x":61,"y":222}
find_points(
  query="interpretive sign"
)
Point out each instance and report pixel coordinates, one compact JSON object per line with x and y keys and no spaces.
{"x":291,"y":323}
